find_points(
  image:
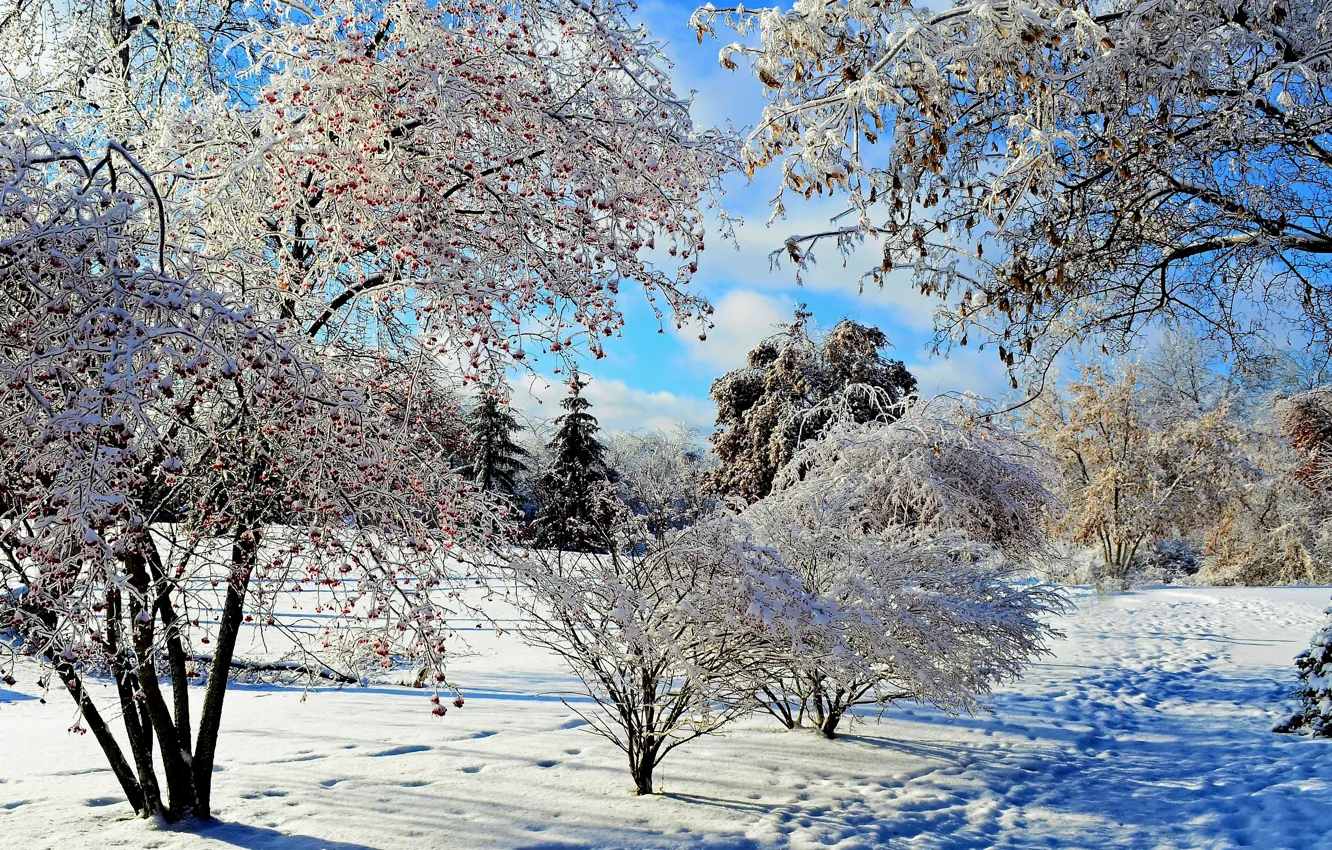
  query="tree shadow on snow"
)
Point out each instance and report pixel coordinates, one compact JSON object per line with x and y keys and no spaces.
{"x":263,"y":838}
{"x":1182,"y":757}
{"x":14,"y":696}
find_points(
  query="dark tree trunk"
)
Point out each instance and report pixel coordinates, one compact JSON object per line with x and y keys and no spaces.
{"x":828,"y":728}
{"x":175,"y":758}
{"x":115,"y":757}
{"x":243,"y":551}
{"x":778,"y":705}
{"x":177,"y":658}
{"x":641,"y":769}
{"x":137,"y":731}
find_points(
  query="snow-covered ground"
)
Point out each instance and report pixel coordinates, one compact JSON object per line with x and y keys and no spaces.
{"x":1149,"y":728}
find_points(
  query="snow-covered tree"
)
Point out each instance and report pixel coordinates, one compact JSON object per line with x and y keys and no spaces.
{"x":785,"y":393}
{"x":663,"y":638}
{"x":483,"y":177}
{"x":1056,"y":170}
{"x":660,"y":477}
{"x":576,"y":495}
{"x":909,"y":533}
{"x":1314,"y":691}
{"x":134,"y":399}
{"x":1131,"y":475}
{"x":497,"y":460}
{"x":242,"y":278}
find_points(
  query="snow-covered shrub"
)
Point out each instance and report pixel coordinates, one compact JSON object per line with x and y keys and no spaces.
{"x":909,"y":534}
{"x":1273,"y":535}
{"x":661,"y":477}
{"x":663,"y":636}
{"x":1171,"y":560}
{"x":1314,"y":668}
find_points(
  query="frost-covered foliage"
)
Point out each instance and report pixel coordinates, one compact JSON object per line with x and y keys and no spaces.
{"x":660,"y":477}
{"x":138,"y":405}
{"x":1278,"y":528}
{"x":1274,"y":532}
{"x":908,"y":532}
{"x":1307,"y":420}
{"x":787,"y":393}
{"x":231,"y":335}
{"x":938,"y":468}
{"x":1130,"y":474}
{"x":488,"y":176}
{"x":664,"y":638}
{"x":1058,"y":169}
{"x":1169,"y":560}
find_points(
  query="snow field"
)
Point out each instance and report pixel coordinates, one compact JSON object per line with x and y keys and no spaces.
{"x":1148,"y":728}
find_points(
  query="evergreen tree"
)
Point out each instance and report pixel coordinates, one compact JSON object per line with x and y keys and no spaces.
{"x":578,"y":505}
{"x":497,"y":460}
{"x":1314,"y":667}
{"x":786,"y":394}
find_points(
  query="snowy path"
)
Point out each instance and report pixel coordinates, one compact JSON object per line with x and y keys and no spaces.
{"x":1149,"y":728}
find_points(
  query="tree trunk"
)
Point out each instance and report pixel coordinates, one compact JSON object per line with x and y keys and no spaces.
{"x":243,"y":551}
{"x":175,"y":759}
{"x":176,"y":655}
{"x":110,"y":747}
{"x":828,"y":728}
{"x":139,"y":734}
{"x":641,"y":769}
{"x":779,"y":706}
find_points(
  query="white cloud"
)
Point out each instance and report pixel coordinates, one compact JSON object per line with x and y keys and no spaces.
{"x":741,"y":317}
{"x":617,"y":406}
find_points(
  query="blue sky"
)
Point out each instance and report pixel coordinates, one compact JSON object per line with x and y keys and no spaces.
{"x":651,"y":379}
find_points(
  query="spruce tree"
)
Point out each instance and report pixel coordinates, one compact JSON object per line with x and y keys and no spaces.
{"x":497,"y":460}
{"x":1314,"y":691}
{"x":578,"y":505}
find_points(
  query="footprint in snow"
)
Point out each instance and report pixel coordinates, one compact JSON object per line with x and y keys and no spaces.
{"x":401,"y":751}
